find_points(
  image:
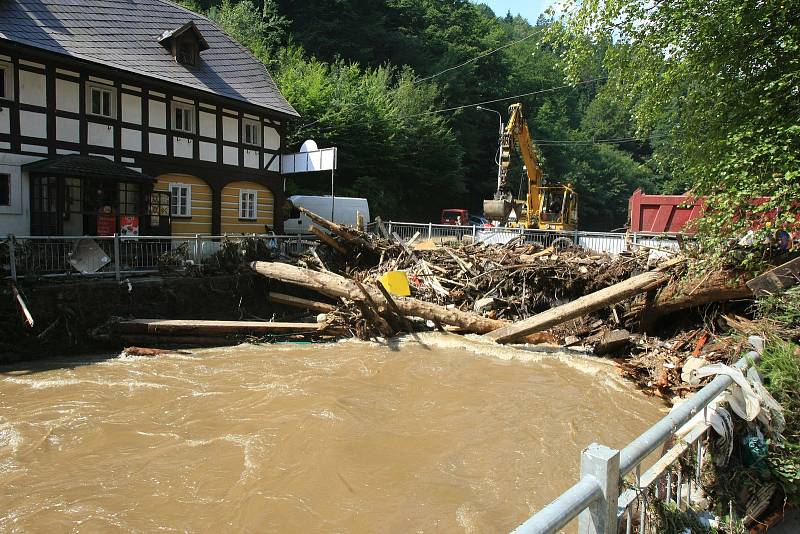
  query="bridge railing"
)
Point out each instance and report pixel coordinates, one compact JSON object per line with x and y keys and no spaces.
{"x":614,"y":489}
{"x":606,"y":242}
{"x":51,"y":256}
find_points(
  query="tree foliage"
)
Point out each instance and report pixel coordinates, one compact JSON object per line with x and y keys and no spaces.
{"x":371,"y":77}
{"x":715,"y":84}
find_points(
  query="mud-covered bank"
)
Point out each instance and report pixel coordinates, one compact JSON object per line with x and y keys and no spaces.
{"x":74,"y":316}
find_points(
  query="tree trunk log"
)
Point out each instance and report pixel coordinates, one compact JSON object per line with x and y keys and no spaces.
{"x":348,"y":234}
{"x":579,"y":307}
{"x":717,"y":287}
{"x":297,"y":302}
{"x":214,"y":328}
{"x":337,"y":286}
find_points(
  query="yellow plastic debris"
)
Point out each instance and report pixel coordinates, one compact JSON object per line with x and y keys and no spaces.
{"x":396,"y":283}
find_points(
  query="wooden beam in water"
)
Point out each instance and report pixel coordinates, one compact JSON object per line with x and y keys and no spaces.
{"x":215,"y":328}
{"x":298,"y":302}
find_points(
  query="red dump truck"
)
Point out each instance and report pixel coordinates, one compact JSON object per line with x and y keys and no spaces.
{"x":671,"y":214}
{"x":662,"y":213}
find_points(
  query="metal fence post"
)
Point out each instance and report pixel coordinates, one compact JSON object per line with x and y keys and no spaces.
{"x":116,"y":256}
{"x":430,"y":230}
{"x":12,"y":258}
{"x":197,"y":259}
{"x":602,"y":464}
{"x":473,"y":233}
{"x":390,"y":228}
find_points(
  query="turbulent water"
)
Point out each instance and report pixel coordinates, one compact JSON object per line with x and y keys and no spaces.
{"x":440,"y":434}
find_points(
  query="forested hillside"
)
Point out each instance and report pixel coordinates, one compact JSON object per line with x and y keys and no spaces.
{"x":386,"y":82}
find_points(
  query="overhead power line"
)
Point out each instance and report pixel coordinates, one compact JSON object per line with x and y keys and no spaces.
{"x":464,"y":106}
{"x":445,"y":71}
{"x":567,"y":142}
{"x":476,"y":58}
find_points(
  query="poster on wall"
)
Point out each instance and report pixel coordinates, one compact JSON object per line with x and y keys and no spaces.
{"x":106,"y":224}
{"x":129,"y":225}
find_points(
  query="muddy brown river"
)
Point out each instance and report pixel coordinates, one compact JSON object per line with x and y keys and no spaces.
{"x":441,"y":434}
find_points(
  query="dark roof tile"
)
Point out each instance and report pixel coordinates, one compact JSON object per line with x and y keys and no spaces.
{"x":124,"y":34}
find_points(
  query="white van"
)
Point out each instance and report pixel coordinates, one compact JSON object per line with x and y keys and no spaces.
{"x":346,"y":211}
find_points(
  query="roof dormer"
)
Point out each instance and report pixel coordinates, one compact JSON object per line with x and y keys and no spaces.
{"x":185,"y":43}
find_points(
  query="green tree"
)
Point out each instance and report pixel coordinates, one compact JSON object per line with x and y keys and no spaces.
{"x":715,"y":84}
{"x":392,"y":150}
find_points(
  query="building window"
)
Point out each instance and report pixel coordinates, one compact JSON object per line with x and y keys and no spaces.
{"x":5,"y":189}
{"x":181,"y":200}
{"x":128,"y":198}
{"x":5,"y":80}
{"x":251,"y":132}
{"x":248,"y":204}
{"x":101,"y":101}
{"x":183,"y":115}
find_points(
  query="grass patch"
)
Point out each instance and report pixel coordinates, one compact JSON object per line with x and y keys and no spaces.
{"x":782,"y":311}
{"x":780,"y":367}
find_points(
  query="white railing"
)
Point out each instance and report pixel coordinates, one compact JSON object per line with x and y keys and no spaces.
{"x":604,"y":498}
{"x":606,"y":242}
{"x":122,"y":255}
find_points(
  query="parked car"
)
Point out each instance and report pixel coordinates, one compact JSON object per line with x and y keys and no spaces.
{"x":346,"y":211}
{"x":477,"y":220}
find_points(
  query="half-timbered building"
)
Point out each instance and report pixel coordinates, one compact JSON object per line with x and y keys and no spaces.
{"x":134,"y":116}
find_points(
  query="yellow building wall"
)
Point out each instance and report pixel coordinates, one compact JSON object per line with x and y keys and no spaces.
{"x":200,"y":220}
{"x":231,"y":224}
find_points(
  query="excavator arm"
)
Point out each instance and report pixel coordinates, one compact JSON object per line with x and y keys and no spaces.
{"x":516,"y":133}
{"x":552,"y":208}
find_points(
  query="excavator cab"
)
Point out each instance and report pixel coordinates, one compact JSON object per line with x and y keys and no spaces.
{"x":558,"y":209}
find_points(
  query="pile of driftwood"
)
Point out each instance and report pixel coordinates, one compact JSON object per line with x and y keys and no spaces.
{"x":515,"y":292}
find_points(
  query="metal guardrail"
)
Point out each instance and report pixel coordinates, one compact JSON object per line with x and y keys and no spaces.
{"x":49,"y":256}
{"x":599,"y":499}
{"x":606,"y":242}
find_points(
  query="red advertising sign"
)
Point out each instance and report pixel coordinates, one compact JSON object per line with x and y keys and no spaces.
{"x":106,"y":224}
{"x":129,"y":225}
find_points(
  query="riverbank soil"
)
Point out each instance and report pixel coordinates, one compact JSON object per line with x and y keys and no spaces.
{"x":73,"y":316}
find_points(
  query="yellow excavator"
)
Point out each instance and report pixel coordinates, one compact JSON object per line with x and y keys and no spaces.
{"x":545,"y":207}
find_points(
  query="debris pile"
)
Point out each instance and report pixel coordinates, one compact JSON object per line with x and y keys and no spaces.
{"x":516,"y":292}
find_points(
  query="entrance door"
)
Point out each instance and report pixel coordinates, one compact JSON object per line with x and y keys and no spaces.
{"x":158,"y":206}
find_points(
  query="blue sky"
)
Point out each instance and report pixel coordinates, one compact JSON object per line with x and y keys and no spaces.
{"x":530,"y":9}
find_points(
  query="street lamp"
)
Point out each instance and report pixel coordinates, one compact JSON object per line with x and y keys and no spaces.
{"x":499,"y":143}
{"x":499,"y":115}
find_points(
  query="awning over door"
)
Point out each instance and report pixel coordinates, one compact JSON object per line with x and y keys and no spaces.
{"x":77,"y":166}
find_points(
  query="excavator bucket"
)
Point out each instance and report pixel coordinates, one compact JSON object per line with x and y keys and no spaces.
{"x":497,"y":210}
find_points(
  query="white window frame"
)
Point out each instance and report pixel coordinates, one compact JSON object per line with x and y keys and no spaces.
{"x":255,"y":127}
{"x":112,"y":100}
{"x":177,"y":212}
{"x":8,"y":88}
{"x":186,"y":110}
{"x":243,"y":209}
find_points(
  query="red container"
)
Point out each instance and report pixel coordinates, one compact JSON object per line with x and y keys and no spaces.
{"x":668,"y":214}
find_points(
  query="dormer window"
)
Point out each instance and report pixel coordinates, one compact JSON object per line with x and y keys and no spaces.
{"x":185,"y":43}
{"x":186,"y":52}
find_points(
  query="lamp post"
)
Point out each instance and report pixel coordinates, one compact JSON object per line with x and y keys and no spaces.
{"x":500,"y":134}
